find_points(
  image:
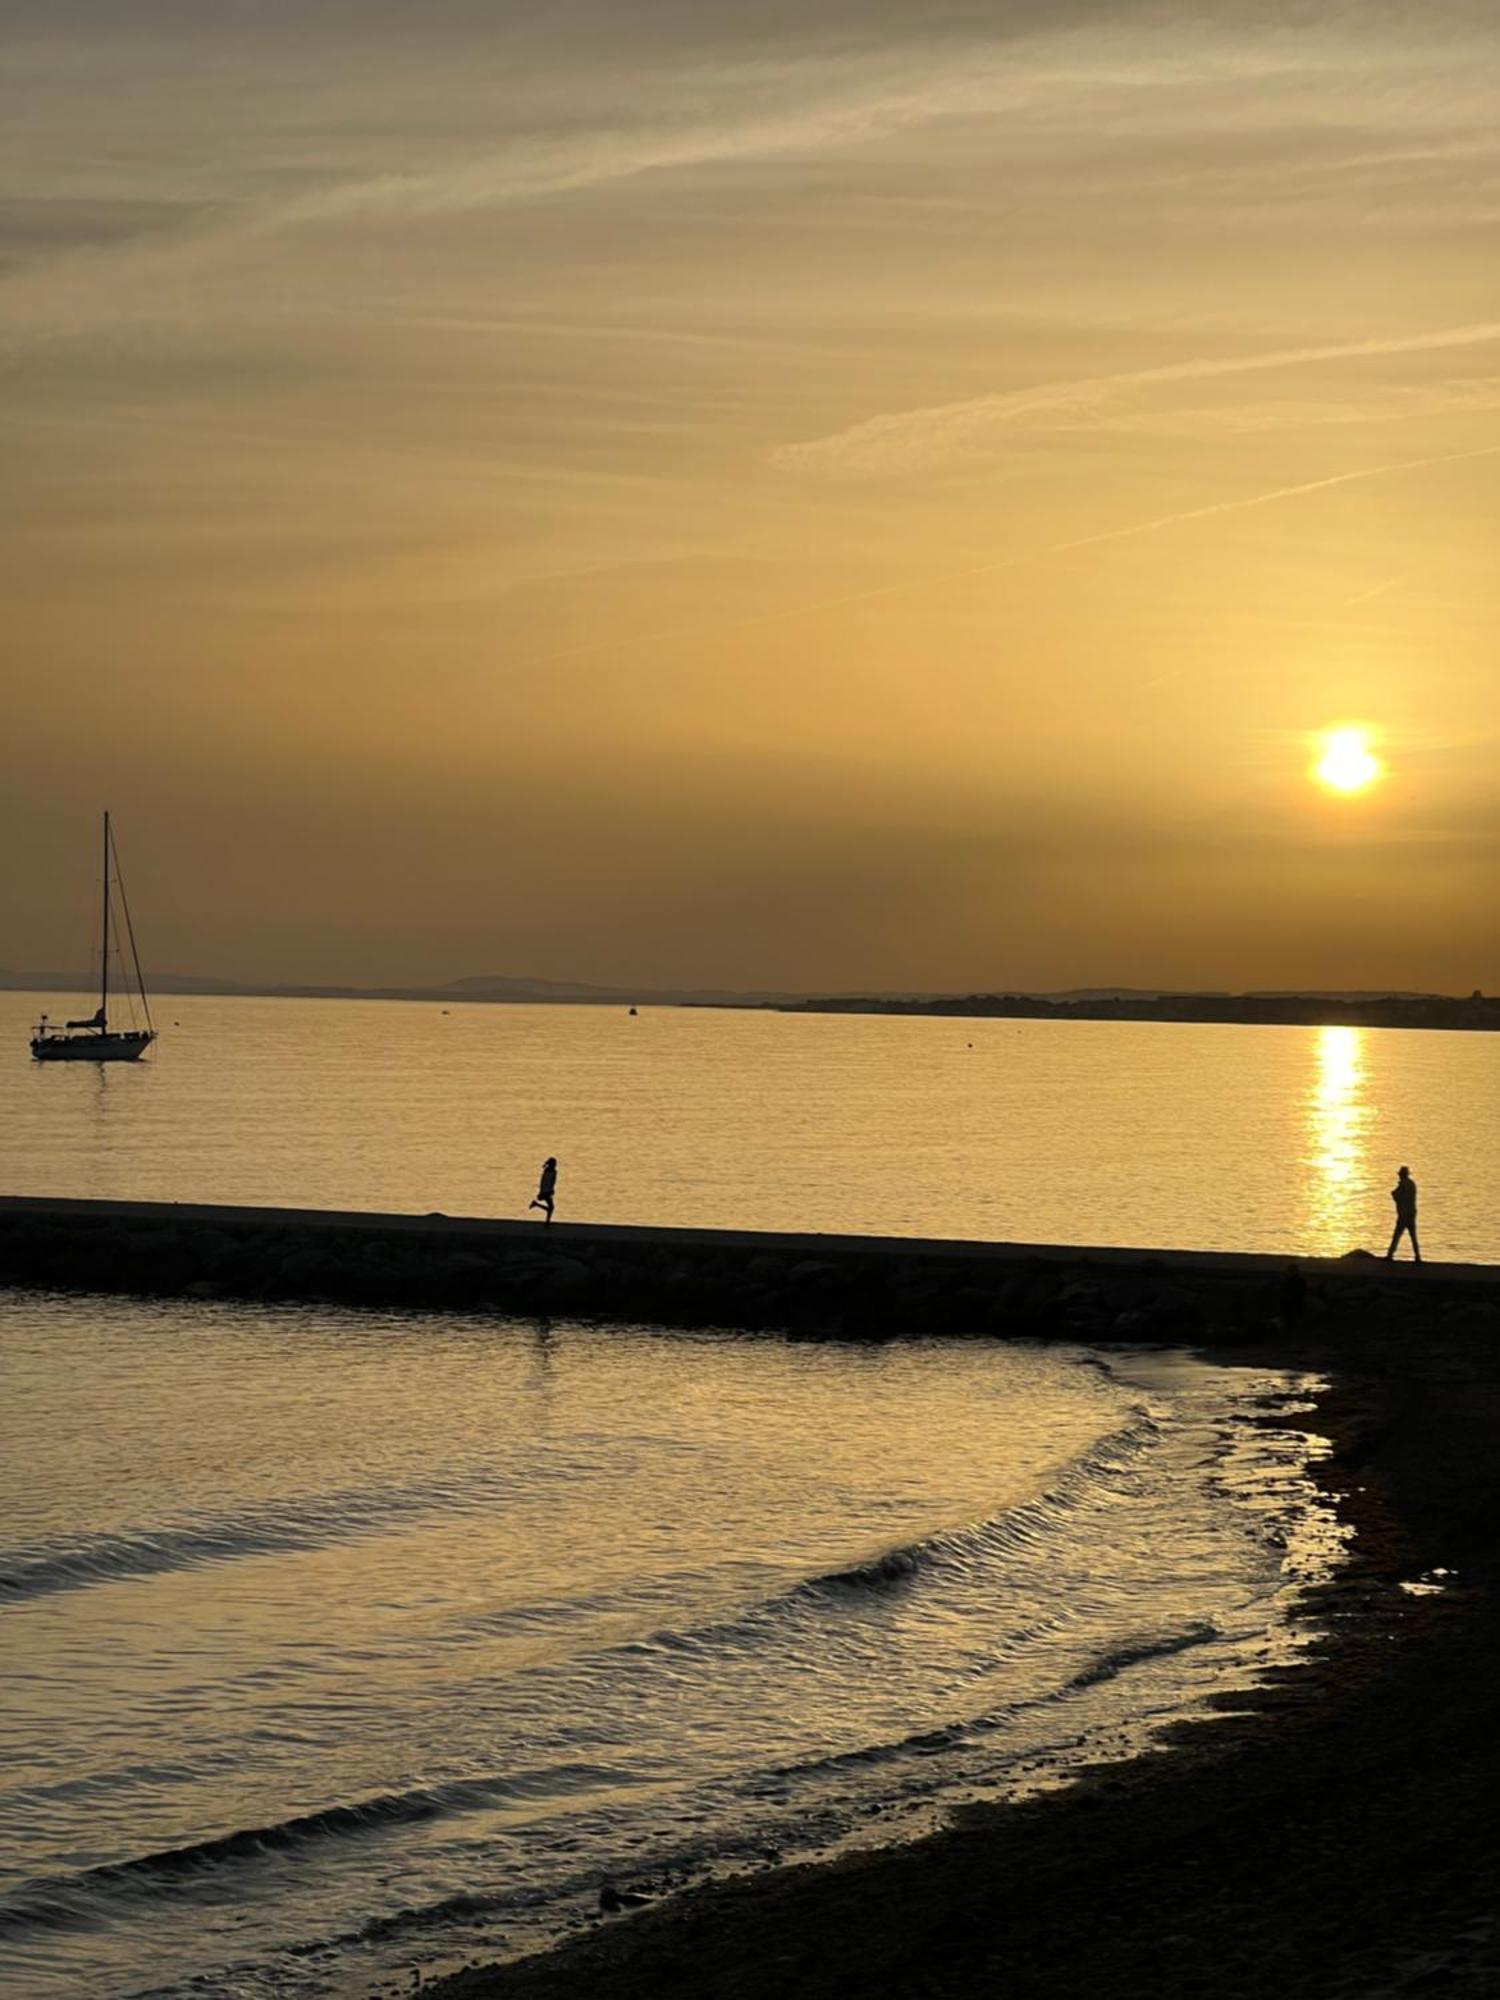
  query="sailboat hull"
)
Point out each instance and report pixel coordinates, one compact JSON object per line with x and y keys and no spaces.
{"x":91,"y":1039}
{"x":125,"y":1045}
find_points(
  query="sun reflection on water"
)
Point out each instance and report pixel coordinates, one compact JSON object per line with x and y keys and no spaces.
{"x":1338,"y":1121}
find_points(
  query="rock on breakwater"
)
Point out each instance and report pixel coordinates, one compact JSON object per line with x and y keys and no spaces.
{"x":850,"y":1287}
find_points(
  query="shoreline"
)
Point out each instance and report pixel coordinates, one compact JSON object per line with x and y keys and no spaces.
{"x":1333,"y":1836}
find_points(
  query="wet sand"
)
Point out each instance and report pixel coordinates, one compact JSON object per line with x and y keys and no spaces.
{"x":1337,"y":1839}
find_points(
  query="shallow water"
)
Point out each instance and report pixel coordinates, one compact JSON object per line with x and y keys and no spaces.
{"x":1277,"y":1139}
{"x":340,"y":1646}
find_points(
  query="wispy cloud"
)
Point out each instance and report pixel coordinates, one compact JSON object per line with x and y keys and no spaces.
{"x":678,"y":119}
{"x":1024,"y":558}
{"x":382,"y":156}
{"x":1244,"y":503}
{"x":919,"y":440}
{"x":531,"y":168}
{"x":1249,"y":419}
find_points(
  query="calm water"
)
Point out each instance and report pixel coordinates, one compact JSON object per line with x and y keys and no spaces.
{"x":1276,"y":1139}
{"x":340,"y":1646}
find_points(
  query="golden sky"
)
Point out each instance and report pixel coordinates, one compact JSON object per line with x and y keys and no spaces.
{"x":845,"y":496}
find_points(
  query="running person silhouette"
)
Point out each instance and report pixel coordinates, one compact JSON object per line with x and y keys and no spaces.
{"x":546,"y":1188}
{"x":1404,"y":1195}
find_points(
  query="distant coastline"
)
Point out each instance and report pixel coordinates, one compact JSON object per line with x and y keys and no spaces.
{"x":1260,"y":1010}
{"x":457,"y":992}
{"x":1257,"y":1009}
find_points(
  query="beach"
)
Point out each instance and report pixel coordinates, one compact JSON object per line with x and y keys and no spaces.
{"x":1336,"y":1835}
{"x":1330,"y":1831}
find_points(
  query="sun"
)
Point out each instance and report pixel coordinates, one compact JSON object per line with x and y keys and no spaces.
{"x":1346,"y":763}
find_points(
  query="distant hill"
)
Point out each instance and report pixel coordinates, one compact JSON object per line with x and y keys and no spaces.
{"x":485,"y":988}
{"x":497,"y":986}
{"x":565,"y":992}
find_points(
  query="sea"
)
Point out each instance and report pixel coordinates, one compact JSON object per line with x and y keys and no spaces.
{"x":1142,"y":1133}
{"x":338,"y":1648}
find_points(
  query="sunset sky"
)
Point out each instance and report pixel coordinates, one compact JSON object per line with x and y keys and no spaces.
{"x":844,"y":496}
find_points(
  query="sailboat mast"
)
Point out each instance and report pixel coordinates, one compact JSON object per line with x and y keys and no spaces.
{"x":104,"y":945}
{"x":135,"y":956}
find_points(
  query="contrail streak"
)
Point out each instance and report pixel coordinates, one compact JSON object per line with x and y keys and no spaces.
{"x":1255,"y":500}
{"x":996,"y":568}
{"x":907,"y":438}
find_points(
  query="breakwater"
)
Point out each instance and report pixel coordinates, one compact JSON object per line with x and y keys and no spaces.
{"x":850,"y":1287}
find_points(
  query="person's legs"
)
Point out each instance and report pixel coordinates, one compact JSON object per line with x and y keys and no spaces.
{"x":1404,"y":1228}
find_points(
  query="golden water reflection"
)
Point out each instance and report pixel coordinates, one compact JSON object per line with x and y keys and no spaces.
{"x":1339,"y":1116}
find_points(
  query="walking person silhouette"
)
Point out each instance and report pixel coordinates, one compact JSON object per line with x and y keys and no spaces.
{"x":546,"y":1188}
{"x":1404,"y":1195}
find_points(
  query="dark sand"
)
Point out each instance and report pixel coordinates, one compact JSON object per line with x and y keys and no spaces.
{"x":1338,"y":1840}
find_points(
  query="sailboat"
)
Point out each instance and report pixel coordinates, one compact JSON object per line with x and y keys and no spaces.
{"x":93,"y":1039}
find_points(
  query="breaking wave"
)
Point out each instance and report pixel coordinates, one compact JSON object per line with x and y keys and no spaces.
{"x":1083,"y":1481}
